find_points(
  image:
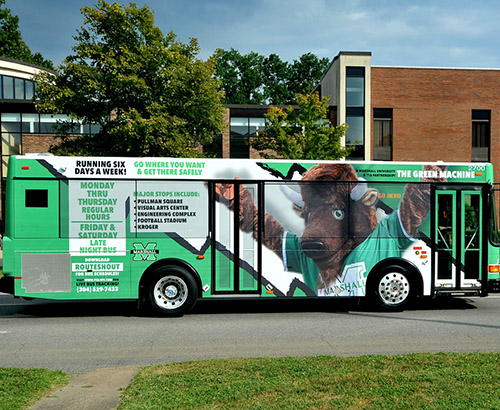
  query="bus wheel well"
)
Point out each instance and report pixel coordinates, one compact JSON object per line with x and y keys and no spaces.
{"x":388,"y":282}
{"x":147,"y":274}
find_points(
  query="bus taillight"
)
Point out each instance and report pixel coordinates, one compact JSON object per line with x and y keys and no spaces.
{"x":25,"y":167}
{"x":494,"y":268}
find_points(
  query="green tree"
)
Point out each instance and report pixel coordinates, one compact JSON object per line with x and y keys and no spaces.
{"x":148,"y":92}
{"x":241,"y":76}
{"x":255,"y":79}
{"x":276,"y":73}
{"x":11,"y":42}
{"x":302,"y":132}
{"x":305,"y":73}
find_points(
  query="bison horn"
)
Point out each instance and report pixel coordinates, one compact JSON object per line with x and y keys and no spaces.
{"x":356,"y":194}
{"x":293,"y":196}
{"x":359,"y":190}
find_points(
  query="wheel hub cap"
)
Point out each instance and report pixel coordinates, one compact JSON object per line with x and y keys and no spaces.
{"x":394,"y":288}
{"x":171,"y":292}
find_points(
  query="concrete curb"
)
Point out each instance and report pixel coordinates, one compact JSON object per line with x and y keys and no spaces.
{"x":97,"y":390}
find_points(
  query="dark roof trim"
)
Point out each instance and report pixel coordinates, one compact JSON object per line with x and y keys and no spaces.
{"x":352,"y":53}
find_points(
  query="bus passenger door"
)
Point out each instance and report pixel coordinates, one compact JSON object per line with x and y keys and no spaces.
{"x":472,"y":238}
{"x":458,"y":239}
{"x":237,"y":254}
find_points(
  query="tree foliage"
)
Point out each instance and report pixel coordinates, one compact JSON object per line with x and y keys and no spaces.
{"x":305,"y":73}
{"x":301,"y":133}
{"x":11,"y":42}
{"x":148,"y":92}
{"x":241,"y":77}
{"x":276,"y":74}
{"x":255,"y":79}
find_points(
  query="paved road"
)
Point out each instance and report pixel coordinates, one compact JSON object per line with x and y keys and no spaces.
{"x":81,"y":337}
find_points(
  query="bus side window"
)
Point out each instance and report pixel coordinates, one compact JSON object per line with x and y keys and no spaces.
{"x":37,"y":198}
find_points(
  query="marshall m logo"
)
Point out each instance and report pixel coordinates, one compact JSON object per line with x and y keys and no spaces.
{"x":144,"y":253}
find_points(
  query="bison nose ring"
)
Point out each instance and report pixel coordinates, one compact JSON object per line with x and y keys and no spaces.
{"x":313,"y":249}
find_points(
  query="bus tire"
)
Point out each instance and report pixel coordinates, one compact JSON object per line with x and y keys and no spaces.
{"x":171,"y":291}
{"x":392,"y":288}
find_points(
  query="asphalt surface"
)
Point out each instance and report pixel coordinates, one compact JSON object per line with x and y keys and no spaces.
{"x":103,"y":344}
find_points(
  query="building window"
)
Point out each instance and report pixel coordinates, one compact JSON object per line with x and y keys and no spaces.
{"x":382,"y":134}
{"x":241,"y":130}
{"x":14,"y":125}
{"x":13,"y":88}
{"x":355,"y":111}
{"x":8,"y":88}
{"x":19,"y":88}
{"x":49,"y":123}
{"x":238,"y":146}
{"x":481,"y":129}
{"x":214,"y":149}
{"x":30,"y":124}
{"x":29,"y":87}
{"x":355,"y":119}
{"x":355,"y":86}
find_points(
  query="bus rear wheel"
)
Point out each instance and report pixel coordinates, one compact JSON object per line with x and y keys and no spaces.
{"x":172,"y":291}
{"x":392,"y":288}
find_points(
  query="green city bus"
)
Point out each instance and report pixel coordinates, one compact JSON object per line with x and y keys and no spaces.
{"x":169,"y":231}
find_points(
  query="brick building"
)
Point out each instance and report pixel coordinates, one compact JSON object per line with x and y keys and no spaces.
{"x":437,"y":114}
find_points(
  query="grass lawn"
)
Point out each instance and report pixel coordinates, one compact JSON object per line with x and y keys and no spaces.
{"x":21,"y":388}
{"x":415,"y":381}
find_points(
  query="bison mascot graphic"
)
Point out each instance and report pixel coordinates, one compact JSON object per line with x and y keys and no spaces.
{"x":342,"y":239}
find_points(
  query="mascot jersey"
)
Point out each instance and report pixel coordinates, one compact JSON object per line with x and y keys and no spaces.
{"x":388,"y":239}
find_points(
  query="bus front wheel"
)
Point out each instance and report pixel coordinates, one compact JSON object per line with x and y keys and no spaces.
{"x":392,"y":288}
{"x":172,"y":291}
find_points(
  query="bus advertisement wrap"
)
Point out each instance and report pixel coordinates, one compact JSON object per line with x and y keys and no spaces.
{"x":111,"y":227}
